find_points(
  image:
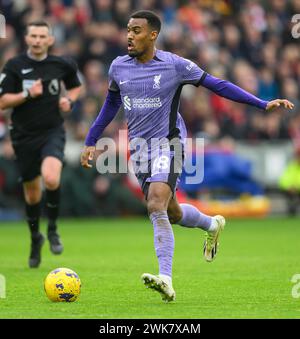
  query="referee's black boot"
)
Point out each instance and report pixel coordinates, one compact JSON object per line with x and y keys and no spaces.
{"x":56,"y":245}
{"x":35,"y":253}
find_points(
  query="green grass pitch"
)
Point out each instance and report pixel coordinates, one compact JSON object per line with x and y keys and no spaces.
{"x":250,"y":278}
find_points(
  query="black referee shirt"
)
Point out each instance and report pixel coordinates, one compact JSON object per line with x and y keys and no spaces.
{"x":41,"y":113}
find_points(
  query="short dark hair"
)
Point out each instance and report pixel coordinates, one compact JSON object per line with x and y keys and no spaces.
{"x":152,"y":18}
{"x":39,"y":23}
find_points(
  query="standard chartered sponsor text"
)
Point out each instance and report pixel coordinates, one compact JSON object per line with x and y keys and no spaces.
{"x":146,"y":102}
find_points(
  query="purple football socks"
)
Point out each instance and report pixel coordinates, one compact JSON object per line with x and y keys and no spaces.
{"x":163,"y":241}
{"x":192,"y":217}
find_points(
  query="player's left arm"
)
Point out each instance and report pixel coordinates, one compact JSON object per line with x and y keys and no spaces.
{"x":230,"y":91}
{"x":273,"y":104}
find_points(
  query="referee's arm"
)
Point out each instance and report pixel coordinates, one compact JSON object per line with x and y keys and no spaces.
{"x":10,"y":100}
{"x":66,"y":102}
{"x":74,"y":93}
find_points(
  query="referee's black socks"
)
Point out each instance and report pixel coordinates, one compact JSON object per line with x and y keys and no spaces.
{"x":33,"y":216}
{"x":52,"y":207}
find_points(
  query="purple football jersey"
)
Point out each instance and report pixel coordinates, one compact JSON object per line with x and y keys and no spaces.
{"x":150,"y":93}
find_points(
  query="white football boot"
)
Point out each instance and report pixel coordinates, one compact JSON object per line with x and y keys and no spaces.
{"x":211,"y":242}
{"x":161,"y":284}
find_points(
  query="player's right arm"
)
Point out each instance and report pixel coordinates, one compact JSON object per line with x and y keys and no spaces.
{"x":108,"y":111}
{"x":87,"y":155}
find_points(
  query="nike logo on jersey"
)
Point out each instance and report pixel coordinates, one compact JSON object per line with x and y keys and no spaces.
{"x":123,"y":82}
{"x":26,"y":70}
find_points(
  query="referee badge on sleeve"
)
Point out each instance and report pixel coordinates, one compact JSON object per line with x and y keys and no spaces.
{"x":27,"y":84}
{"x":53,"y":87}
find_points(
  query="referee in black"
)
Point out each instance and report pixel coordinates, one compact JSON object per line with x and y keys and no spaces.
{"x":30,"y":84}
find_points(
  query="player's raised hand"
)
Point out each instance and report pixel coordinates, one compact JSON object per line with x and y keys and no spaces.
{"x":279,"y":102}
{"x":87,"y":155}
{"x":36,"y":89}
{"x":65,"y":105}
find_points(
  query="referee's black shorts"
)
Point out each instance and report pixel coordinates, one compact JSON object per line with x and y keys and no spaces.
{"x":31,"y":150}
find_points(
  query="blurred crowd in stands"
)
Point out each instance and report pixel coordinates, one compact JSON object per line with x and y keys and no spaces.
{"x":247,"y":42}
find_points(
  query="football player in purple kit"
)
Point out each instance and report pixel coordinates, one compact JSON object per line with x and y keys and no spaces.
{"x":148,"y":83}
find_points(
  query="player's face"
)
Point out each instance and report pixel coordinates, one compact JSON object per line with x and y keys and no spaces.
{"x":140,"y":37}
{"x":38,"y":40}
